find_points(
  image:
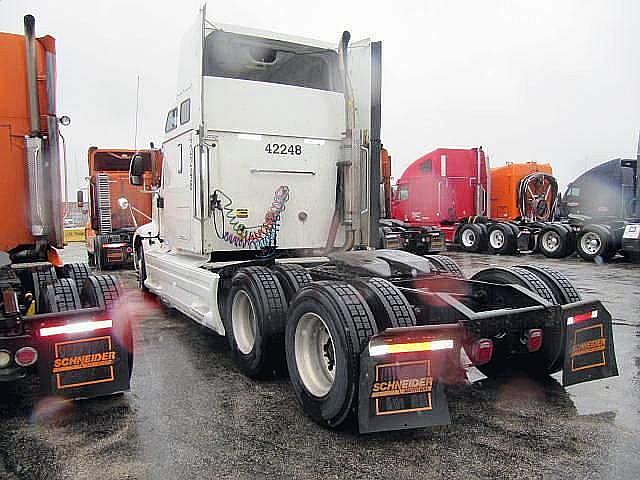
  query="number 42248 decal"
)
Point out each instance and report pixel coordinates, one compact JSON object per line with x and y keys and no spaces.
{"x":283,"y":149}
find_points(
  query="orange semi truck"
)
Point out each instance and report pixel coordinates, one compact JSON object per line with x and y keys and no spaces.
{"x":117,"y":208}
{"x":57,"y":320}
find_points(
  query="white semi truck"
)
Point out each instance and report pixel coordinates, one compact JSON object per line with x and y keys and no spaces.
{"x":262,"y":228}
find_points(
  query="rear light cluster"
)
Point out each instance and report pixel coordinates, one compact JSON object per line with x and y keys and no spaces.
{"x":24,"y":357}
{"x":481,"y":351}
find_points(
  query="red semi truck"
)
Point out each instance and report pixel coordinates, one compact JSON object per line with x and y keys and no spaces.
{"x":442,"y":187}
{"x":399,"y":232}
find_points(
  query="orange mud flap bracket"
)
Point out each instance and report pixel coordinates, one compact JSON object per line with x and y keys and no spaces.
{"x":589,"y":351}
{"x":403,"y":372}
{"x":83,"y":353}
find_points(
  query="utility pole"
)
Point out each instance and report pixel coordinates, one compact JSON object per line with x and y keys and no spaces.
{"x":135,"y":135}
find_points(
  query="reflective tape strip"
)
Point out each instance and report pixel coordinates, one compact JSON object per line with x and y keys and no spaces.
{"x":75,"y":328}
{"x":386,"y":349}
{"x":583,"y":317}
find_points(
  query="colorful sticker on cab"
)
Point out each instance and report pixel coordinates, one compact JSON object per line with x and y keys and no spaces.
{"x":403,"y":387}
{"x":78,"y":363}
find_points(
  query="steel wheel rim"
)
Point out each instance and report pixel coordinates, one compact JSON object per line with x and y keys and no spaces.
{"x":244,"y":322}
{"x":496,"y":239}
{"x":315,"y":354}
{"x":551,"y":241}
{"x":468,"y":238}
{"x":591,"y":243}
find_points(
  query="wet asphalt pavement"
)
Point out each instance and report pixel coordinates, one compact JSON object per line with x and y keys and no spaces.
{"x":192,"y":414}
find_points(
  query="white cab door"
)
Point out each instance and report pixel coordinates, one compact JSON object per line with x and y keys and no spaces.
{"x":182,"y":189}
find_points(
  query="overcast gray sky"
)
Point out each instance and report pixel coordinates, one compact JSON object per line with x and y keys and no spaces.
{"x":546,"y":80}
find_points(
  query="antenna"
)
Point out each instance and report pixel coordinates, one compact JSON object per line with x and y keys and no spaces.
{"x":135,"y":135}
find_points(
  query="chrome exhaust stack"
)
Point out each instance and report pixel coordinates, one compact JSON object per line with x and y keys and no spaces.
{"x":41,"y":146}
{"x":32,"y":72}
{"x":33,"y":142}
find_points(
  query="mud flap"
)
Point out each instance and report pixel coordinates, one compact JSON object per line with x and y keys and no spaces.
{"x":83,"y":364}
{"x":589,"y":350}
{"x":406,"y":390}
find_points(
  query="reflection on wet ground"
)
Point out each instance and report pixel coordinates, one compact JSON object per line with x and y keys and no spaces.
{"x":192,"y":414}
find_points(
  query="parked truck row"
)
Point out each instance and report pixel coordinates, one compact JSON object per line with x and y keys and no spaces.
{"x":265,"y":229}
{"x":518,"y":208}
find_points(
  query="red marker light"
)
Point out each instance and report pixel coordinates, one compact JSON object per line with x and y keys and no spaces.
{"x":481,"y":351}
{"x":534,"y":339}
{"x":26,"y":356}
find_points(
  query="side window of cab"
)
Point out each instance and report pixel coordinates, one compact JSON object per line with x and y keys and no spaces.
{"x":403,"y":193}
{"x":172,"y":120}
{"x":185,"y":111}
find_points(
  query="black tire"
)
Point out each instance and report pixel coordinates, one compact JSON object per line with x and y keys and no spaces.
{"x":100,"y":291}
{"x":78,"y":272}
{"x":257,"y":341}
{"x":97,"y":252}
{"x":60,"y":295}
{"x":141,"y":267}
{"x":554,"y":241}
{"x":545,"y":358}
{"x":595,"y":241}
{"x":533,"y":242}
{"x":350,"y":324}
{"x":501,"y":240}
{"x":292,"y":277}
{"x":514,"y":228}
{"x":390,"y":307}
{"x":40,"y":277}
{"x":445,"y":265}
{"x":516,"y":276}
{"x":571,"y":246}
{"x":564,"y":292}
{"x":562,"y":288}
{"x":473,"y":237}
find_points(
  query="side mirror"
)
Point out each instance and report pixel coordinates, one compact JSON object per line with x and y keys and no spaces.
{"x":80,"y":198}
{"x":136,"y":170}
